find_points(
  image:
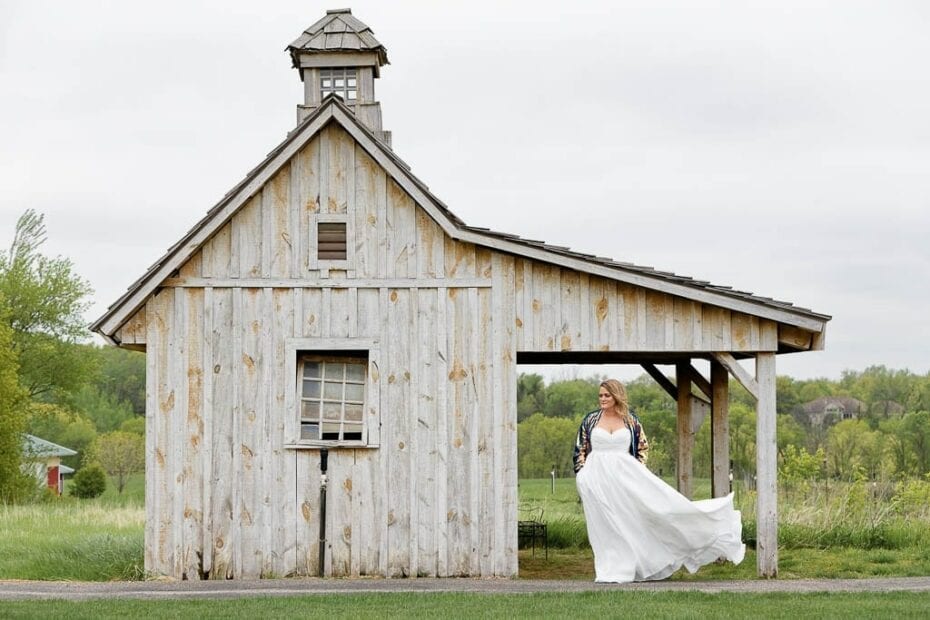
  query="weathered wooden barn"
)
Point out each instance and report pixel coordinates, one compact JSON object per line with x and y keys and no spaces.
{"x":330,"y":300}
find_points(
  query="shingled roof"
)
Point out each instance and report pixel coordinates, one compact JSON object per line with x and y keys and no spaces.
{"x":333,"y":109}
{"x":339,"y":31}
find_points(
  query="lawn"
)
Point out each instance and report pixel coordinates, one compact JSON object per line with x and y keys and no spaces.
{"x":608,"y":604}
{"x":841,"y":531}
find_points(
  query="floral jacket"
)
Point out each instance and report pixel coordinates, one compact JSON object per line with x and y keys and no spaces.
{"x":639,"y":447}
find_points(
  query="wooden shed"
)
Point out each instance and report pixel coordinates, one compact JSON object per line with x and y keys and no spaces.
{"x":330,"y":300}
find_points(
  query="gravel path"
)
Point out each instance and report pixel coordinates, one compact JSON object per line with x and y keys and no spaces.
{"x":23,"y":590}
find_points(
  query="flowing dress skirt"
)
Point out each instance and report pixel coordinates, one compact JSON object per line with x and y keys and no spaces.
{"x":642,"y":529}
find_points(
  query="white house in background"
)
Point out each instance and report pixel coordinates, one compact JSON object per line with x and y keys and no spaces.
{"x":43,"y":458}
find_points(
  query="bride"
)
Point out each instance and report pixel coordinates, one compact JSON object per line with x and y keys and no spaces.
{"x":639,"y":527}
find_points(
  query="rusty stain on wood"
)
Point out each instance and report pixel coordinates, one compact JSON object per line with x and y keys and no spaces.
{"x":305,"y":511}
{"x":601,"y":309}
{"x":347,"y":485}
{"x":566,"y":342}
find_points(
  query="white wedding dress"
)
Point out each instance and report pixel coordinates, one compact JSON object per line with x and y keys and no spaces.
{"x":642,"y":529}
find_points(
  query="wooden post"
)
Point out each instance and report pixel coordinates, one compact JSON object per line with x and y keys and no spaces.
{"x":766,"y":478}
{"x":685,"y":433}
{"x":719,"y":430}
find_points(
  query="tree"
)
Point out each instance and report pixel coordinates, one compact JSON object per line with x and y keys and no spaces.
{"x":121,"y":454}
{"x":103,"y":409}
{"x":847,"y":443}
{"x":45,"y":301}
{"x":916,"y":428}
{"x":13,"y":482}
{"x":545,"y":443}
{"x":568,"y":399}
{"x":90,"y":481}
{"x":64,"y":427}
{"x":531,"y":395}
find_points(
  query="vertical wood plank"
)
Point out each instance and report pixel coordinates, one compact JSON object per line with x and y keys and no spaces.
{"x":276,"y":245}
{"x":430,"y":241}
{"x":308,"y":199}
{"x":154,"y":458}
{"x":488,"y":468}
{"x":569,"y":321}
{"x":654,"y":320}
{"x":766,"y":468}
{"x":399,"y":404}
{"x":582,"y":337}
{"x":504,"y":444}
{"x":222,"y":476}
{"x":425,"y":455}
{"x":206,"y":464}
{"x":369,"y":180}
{"x":192,"y":438}
{"x":247,"y":233}
{"x":282,"y":415}
{"x":250,"y":446}
{"x":685,"y":435}
{"x":720,"y":430}
{"x":441,"y":508}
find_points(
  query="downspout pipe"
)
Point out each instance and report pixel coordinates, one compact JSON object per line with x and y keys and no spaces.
{"x":324,"y":456}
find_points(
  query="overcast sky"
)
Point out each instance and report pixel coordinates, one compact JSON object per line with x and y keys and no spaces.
{"x":781,"y":148}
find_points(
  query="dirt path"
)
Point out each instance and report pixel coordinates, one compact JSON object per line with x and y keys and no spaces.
{"x":23,"y":590}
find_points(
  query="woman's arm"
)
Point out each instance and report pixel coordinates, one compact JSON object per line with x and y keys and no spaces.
{"x":642,"y":448}
{"x":581,"y":446}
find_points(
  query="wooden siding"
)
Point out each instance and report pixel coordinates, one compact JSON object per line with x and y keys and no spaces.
{"x":227,"y":497}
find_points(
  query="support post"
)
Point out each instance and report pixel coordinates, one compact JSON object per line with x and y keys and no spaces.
{"x":719,"y":430}
{"x":685,"y":432}
{"x":766,"y":468}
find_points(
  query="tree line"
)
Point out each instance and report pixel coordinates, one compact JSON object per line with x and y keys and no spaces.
{"x":52,"y":383}
{"x":884,"y":434}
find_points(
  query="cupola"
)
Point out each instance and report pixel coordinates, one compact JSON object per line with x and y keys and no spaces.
{"x":340,"y":55}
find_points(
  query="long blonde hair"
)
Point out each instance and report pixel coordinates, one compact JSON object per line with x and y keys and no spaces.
{"x":618,"y":393}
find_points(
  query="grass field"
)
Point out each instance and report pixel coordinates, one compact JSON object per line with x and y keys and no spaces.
{"x":436,"y":605}
{"x":840,"y":531}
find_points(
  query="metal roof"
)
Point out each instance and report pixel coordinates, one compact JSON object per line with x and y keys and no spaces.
{"x":338,"y":31}
{"x":36,"y":446}
{"x":553,"y":251}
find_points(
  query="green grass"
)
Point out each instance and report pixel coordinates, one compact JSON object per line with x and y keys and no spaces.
{"x":72,"y":539}
{"x":613,"y":603}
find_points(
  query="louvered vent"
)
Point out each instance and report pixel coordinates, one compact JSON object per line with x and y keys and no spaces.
{"x":331,"y":241}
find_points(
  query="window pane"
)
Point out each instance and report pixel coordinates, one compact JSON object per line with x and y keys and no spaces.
{"x":355,"y":391}
{"x":311,"y":369}
{"x":332,"y":391}
{"x":334,"y":371}
{"x":353,"y":414}
{"x":339,"y":82}
{"x":355,"y":372}
{"x":352,"y":432}
{"x":351,"y":82}
{"x":332,"y":411}
{"x":311,"y":389}
{"x":327,"y":83}
{"x":351,"y":94}
{"x":310,"y":410}
{"x":309,"y":431}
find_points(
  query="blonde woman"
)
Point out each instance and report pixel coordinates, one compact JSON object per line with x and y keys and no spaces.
{"x":639,"y":527}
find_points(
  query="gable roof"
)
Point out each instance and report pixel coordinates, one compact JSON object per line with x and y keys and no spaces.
{"x":36,"y":446}
{"x":338,"y":31}
{"x":333,"y":110}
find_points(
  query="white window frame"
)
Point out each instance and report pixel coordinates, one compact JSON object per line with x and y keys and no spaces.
{"x":314,"y":261}
{"x":371,"y":416}
{"x":345,"y":74}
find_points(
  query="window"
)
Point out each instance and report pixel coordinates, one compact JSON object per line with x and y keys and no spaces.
{"x":331,"y":241}
{"x":331,"y":396}
{"x":343,"y":82}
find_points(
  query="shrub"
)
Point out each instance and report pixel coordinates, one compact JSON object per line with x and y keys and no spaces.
{"x":90,"y":481}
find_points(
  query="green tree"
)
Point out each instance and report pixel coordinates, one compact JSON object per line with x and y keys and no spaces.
{"x":916,"y":428}
{"x":568,"y":399}
{"x":13,"y":482}
{"x":103,"y":409}
{"x":64,"y":427}
{"x":531,"y":395}
{"x":545,"y":443}
{"x":847,"y":443}
{"x":90,"y":481}
{"x":45,"y":301}
{"x":122,"y":376}
{"x":120,"y":454}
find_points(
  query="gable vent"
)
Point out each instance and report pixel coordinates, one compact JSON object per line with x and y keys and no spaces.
{"x":331,"y":241}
